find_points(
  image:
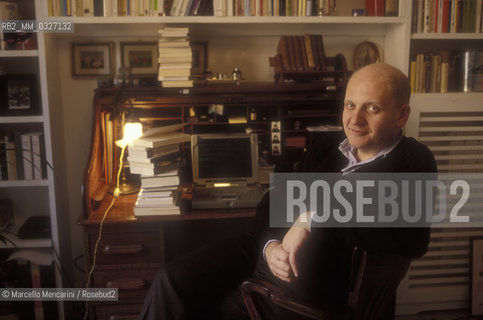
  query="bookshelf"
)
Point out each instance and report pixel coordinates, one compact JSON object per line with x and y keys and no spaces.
{"x":33,"y":197}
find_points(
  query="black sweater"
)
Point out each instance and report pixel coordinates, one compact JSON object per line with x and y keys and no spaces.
{"x":329,"y":249}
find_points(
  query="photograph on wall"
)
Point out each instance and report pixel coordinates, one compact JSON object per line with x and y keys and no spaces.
{"x":92,"y":60}
{"x":140,"y":57}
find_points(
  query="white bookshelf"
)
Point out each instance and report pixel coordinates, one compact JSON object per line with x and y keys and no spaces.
{"x":32,"y":197}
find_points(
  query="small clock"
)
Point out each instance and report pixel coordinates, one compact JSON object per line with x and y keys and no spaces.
{"x":365,"y":53}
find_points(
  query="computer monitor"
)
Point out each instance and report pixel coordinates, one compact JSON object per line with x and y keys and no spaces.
{"x":228,"y":158}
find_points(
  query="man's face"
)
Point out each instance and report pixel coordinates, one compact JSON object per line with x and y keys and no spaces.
{"x":371,"y":118}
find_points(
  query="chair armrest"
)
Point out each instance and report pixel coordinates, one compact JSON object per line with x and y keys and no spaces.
{"x":276,"y":295}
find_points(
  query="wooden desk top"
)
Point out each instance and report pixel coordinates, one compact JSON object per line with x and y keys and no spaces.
{"x":122,"y":212}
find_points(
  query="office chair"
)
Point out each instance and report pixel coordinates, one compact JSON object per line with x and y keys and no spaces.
{"x":373,"y":283}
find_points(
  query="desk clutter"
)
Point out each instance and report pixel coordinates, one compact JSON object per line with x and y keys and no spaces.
{"x":157,"y":157}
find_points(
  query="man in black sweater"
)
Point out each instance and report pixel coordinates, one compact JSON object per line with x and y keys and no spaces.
{"x":311,"y":263}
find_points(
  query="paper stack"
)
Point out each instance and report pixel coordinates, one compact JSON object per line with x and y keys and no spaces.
{"x":174,"y":58}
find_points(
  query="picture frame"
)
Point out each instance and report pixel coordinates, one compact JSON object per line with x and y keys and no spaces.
{"x":365,"y":53}
{"x":476,"y":287}
{"x":140,"y":57}
{"x":200,"y":59}
{"x":19,"y":95}
{"x":92,"y":60}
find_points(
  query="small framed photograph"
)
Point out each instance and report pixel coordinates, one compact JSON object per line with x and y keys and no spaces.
{"x":200,"y":59}
{"x":140,"y":57}
{"x":19,"y":95}
{"x":92,"y":60}
{"x":365,"y":53}
{"x":477,"y":276}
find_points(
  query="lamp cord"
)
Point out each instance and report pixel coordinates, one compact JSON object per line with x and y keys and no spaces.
{"x":115,"y":196}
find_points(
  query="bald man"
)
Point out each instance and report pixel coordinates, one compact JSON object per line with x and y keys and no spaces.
{"x":376,"y":108}
{"x":313,"y":264}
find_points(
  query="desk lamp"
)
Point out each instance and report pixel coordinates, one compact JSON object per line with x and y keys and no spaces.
{"x":132,"y":130}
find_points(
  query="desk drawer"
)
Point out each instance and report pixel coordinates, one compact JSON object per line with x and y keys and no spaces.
{"x":128,"y":247}
{"x":132,"y":283}
{"x":117,"y":311}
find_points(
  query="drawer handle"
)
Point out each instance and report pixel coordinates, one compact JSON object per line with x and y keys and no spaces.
{"x":123,"y":249}
{"x":127,"y":284}
{"x":123,"y":317}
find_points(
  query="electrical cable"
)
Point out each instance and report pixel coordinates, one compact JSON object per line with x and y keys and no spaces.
{"x":115,"y":196}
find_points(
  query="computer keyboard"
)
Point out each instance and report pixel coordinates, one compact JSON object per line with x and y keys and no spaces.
{"x":238,"y":192}
{"x":222,"y":197}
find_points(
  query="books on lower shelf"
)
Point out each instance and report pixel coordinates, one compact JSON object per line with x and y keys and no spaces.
{"x":441,"y":72}
{"x":22,"y":156}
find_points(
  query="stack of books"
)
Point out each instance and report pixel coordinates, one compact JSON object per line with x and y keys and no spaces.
{"x":174,"y":58}
{"x":157,"y":156}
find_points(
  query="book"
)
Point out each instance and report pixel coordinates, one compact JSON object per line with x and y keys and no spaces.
{"x":19,"y":154}
{"x":38,"y":155}
{"x":153,"y":162}
{"x":149,"y":170}
{"x":310,"y":55}
{"x":28,"y":169}
{"x":11,"y":161}
{"x":155,"y":193}
{"x":177,"y":84}
{"x":142,"y":154}
{"x":375,"y":7}
{"x":412,"y":76}
{"x":168,"y":180}
{"x":3,"y":161}
{"x":284,"y":52}
{"x":156,"y":211}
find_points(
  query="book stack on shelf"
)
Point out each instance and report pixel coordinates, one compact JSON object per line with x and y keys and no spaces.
{"x":22,"y":157}
{"x":175,"y":58}
{"x":157,"y":156}
{"x":302,"y":58}
{"x":449,"y":16}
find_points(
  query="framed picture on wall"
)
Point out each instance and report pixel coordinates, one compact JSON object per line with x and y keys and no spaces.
{"x":19,"y":95}
{"x":200,"y":59}
{"x":92,"y":59}
{"x":476,"y":276}
{"x":140,"y":57}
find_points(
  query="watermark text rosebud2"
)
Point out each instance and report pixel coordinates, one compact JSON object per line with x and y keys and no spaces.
{"x":377,"y":200}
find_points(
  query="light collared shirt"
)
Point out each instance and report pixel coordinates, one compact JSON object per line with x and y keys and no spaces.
{"x":350,"y":152}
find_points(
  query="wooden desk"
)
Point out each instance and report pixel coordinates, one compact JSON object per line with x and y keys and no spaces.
{"x":132,"y":250}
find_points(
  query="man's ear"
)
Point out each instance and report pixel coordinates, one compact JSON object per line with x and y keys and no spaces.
{"x":404,"y":111}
